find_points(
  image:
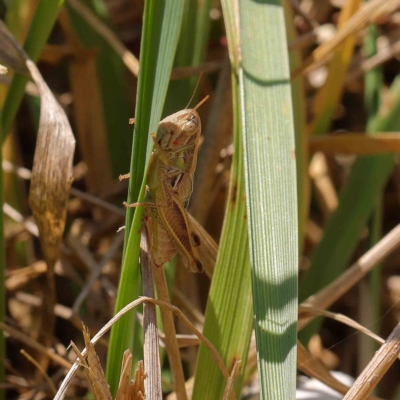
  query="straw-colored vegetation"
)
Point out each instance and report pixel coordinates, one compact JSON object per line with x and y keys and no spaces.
{"x":293,"y":215}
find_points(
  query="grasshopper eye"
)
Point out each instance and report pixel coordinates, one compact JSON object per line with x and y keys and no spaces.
{"x":191,"y":126}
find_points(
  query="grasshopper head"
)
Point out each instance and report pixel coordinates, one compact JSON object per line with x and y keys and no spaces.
{"x":180,"y":129}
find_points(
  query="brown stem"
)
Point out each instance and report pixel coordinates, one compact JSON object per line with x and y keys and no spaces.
{"x":151,"y":349}
{"x":171,"y":343}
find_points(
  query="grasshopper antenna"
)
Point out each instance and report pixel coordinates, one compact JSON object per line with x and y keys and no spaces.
{"x":195,"y":89}
{"x":201,"y":103}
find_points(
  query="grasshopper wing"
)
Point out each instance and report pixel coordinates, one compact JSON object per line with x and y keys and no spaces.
{"x":177,"y":223}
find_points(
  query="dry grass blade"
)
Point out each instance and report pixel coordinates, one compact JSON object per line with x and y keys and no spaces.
{"x":27,"y":223}
{"x":62,"y":389}
{"x":99,"y":385}
{"x":189,"y":389}
{"x":88,"y":110}
{"x":325,"y":297}
{"x":60,"y":310}
{"x":369,"y":13}
{"x":325,"y":191}
{"x":356,"y":143}
{"x":207,"y":67}
{"x":93,"y":371}
{"x":96,"y":271}
{"x":384,"y":54}
{"x":52,"y":169}
{"x":22,"y":337}
{"x":25,"y":173}
{"x":377,"y":367}
{"x":21,"y":276}
{"x":51,"y":173}
{"x":170,"y":340}
{"x":130,"y":61}
{"x":128,"y":390}
{"x":314,"y":368}
{"x":228,"y":393}
{"x":306,"y":311}
{"x":41,"y":370}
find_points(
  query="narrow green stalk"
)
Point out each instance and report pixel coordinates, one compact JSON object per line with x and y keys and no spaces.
{"x":161,"y":26}
{"x":228,"y":318}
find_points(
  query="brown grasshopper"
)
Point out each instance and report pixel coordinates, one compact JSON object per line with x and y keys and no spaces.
{"x":169,"y":187}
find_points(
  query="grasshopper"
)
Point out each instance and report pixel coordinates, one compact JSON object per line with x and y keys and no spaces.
{"x":169,"y":187}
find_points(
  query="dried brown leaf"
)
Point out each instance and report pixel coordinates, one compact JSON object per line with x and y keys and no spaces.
{"x":128,"y":390}
{"x":97,"y":380}
{"x":52,"y":167}
{"x":314,"y":368}
{"x":356,"y":143}
{"x":377,"y":367}
{"x":88,"y":111}
{"x":52,"y":170}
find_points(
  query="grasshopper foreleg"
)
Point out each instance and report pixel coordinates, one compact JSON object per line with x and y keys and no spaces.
{"x":134,"y":205}
{"x":124,"y":176}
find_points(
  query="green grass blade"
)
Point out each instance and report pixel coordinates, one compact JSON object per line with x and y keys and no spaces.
{"x":328,"y":96}
{"x":229,"y":305}
{"x":161,"y":25}
{"x":357,"y":200}
{"x":270,"y":173}
{"x":43,"y":21}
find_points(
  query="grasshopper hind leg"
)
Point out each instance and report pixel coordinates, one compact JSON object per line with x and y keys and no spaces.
{"x":192,"y":264}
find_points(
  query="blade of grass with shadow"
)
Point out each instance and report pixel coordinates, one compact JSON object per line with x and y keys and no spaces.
{"x":228,"y":318}
{"x":328,"y":96}
{"x":270,"y":172}
{"x":161,"y":26}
